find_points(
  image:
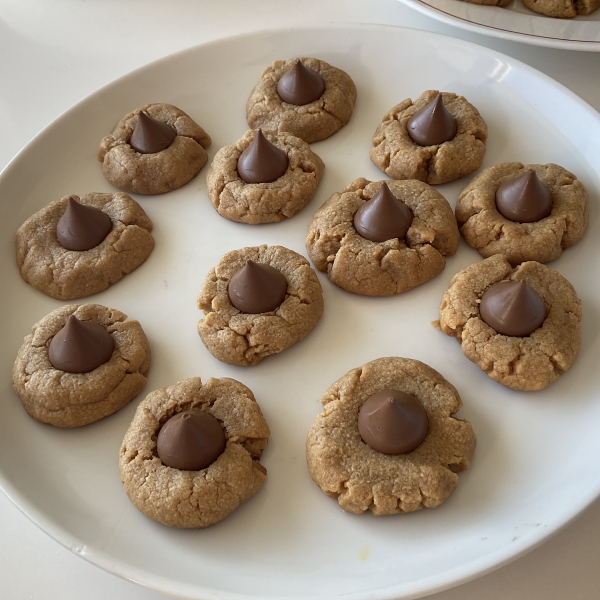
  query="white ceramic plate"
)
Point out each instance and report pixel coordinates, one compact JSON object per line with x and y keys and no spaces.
{"x":536,"y":464}
{"x":516,"y":22}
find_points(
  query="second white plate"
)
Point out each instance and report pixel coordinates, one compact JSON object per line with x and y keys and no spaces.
{"x":515,"y":22}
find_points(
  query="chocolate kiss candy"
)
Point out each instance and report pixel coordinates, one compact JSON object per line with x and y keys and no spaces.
{"x":80,"y":346}
{"x":383,"y":217}
{"x":512,"y":308}
{"x":190,"y":441}
{"x":82,"y":227}
{"x":392,"y":422}
{"x":300,"y":85}
{"x":257,"y":288}
{"x":261,"y":161}
{"x":150,"y":135}
{"x":524,"y":199}
{"x":432,"y":125}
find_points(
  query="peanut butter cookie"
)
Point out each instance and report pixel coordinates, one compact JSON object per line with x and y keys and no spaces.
{"x":246,"y":338}
{"x":398,"y":156}
{"x":562,"y":9}
{"x":489,"y":232}
{"x":66,"y":274}
{"x":74,"y":398}
{"x":370,"y":268}
{"x":490,"y":2}
{"x":361,"y":478}
{"x":195,"y":498}
{"x":312,"y":121}
{"x":160,"y":161}
{"x":260,"y":202}
{"x":529,"y":362}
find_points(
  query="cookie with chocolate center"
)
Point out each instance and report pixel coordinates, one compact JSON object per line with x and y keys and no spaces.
{"x":155,"y":153}
{"x":524,"y":212}
{"x":191,"y":454}
{"x":388,"y":440}
{"x":431,"y":158}
{"x":523,"y":336}
{"x":306,"y":97}
{"x":80,"y":364}
{"x":78,"y":246}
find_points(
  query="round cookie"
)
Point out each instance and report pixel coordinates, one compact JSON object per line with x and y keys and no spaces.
{"x":521,"y":363}
{"x":490,"y":2}
{"x":256,"y":203}
{"x":74,"y":399}
{"x":361,"y":478}
{"x":244,"y":339}
{"x":399,"y":157}
{"x":67,"y":274}
{"x":486,"y":230}
{"x":158,"y":172}
{"x":562,"y":9}
{"x":311,"y":122}
{"x":195,"y":499}
{"x":369,"y":268}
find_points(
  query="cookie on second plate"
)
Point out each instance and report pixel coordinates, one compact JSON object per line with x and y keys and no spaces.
{"x":562,"y":9}
{"x":258,"y":301}
{"x":191,"y":454}
{"x":398,"y":259}
{"x":363,"y":451}
{"x":154,"y":149}
{"x":78,"y":246}
{"x":525,"y":212}
{"x":437,"y":138}
{"x":263,"y":178}
{"x":519,"y":325}
{"x":306,"y":97}
{"x":490,"y":2}
{"x":80,"y":364}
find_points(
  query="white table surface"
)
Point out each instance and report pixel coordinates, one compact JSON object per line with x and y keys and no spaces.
{"x":53,"y":54}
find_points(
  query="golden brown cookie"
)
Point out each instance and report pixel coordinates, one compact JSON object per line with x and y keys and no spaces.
{"x":195,"y":499}
{"x":486,"y":230}
{"x":67,"y":274}
{"x":74,"y":399}
{"x":521,"y":363}
{"x":158,"y":172}
{"x":490,"y":2}
{"x":256,"y":203}
{"x":311,"y":122}
{"x":244,"y":339}
{"x":361,"y":266}
{"x":361,"y":478}
{"x":562,"y":9}
{"x":399,"y":157}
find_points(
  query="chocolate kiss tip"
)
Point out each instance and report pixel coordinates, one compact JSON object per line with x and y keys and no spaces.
{"x":80,"y":346}
{"x":300,"y":85}
{"x":150,"y":135}
{"x":432,"y":125}
{"x":524,"y":199}
{"x":512,"y":308}
{"x":261,"y":161}
{"x":257,"y":288}
{"x":82,"y":227}
{"x":383,"y":217}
